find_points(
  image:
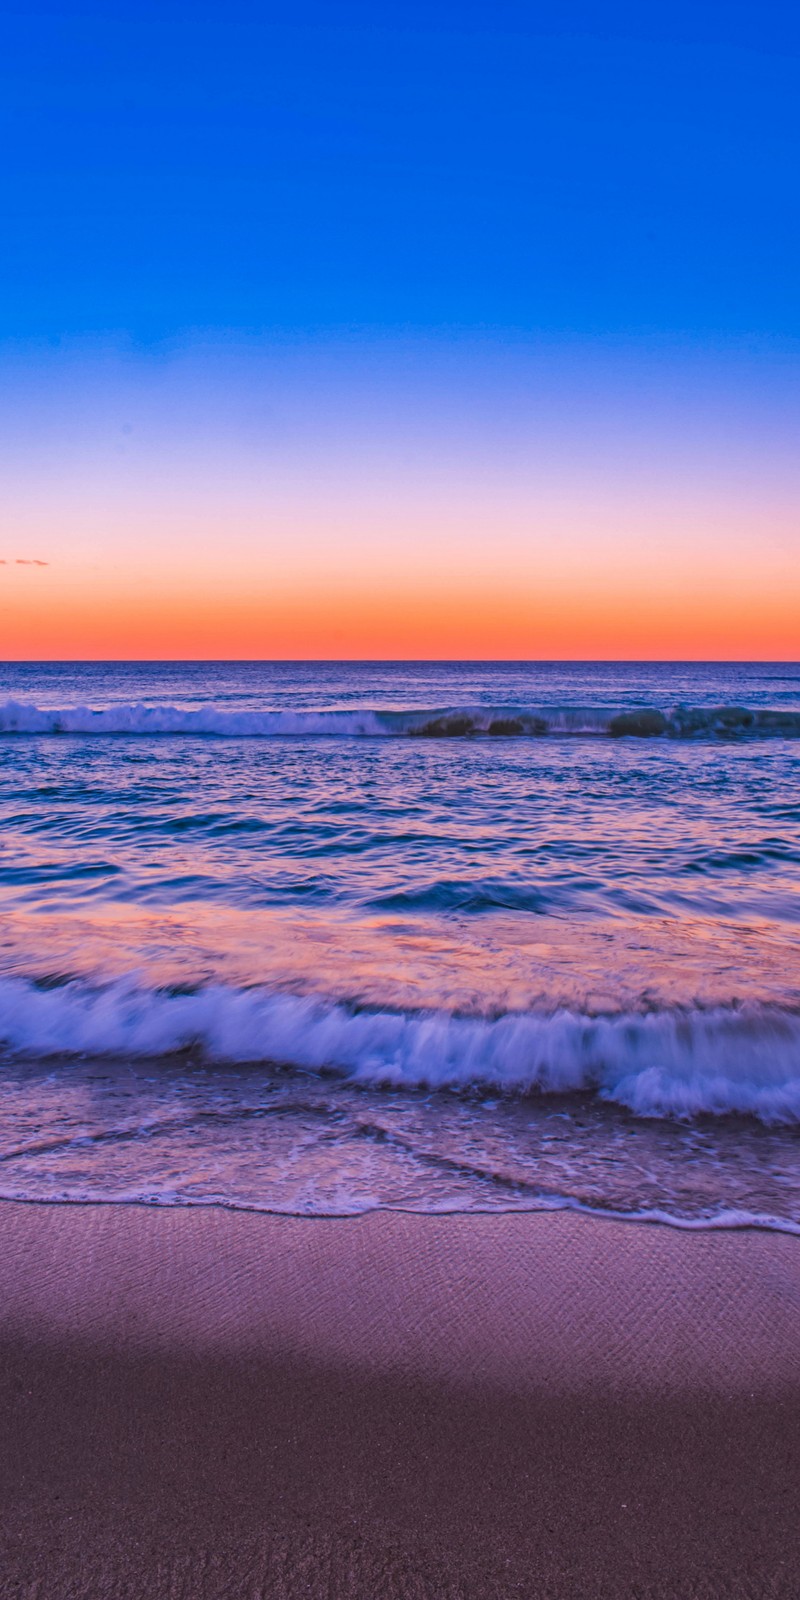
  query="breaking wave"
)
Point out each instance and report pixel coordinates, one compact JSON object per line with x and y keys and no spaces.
{"x":669,"y":1063}
{"x":679,"y":722}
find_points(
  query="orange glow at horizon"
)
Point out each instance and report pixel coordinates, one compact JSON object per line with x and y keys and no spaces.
{"x":389,"y":501}
{"x":622,"y":618}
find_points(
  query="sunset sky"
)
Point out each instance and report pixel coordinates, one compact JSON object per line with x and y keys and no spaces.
{"x":420,"y":330}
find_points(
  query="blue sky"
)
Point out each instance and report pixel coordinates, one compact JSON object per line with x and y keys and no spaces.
{"x":605,"y":170}
{"x":474,"y":314}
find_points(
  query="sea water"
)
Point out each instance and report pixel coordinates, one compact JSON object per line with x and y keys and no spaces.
{"x":318,"y":938}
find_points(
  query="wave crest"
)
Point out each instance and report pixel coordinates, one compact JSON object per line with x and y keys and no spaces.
{"x":681,"y":722}
{"x":670,"y":1063}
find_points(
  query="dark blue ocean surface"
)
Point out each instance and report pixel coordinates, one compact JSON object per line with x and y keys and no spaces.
{"x":319,"y":937}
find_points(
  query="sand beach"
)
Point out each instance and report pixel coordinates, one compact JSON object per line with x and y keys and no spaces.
{"x":211,"y":1404}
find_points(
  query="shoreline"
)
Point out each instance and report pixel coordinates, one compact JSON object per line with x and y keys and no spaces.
{"x":721,"y":1222}
{"x":210,"y":1402}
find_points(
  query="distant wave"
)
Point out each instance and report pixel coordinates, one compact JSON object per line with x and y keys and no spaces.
{"x":508,"y":722}
{"x":669,"y":1063}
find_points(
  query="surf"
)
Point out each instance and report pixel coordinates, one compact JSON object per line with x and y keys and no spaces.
{"x":680,"y":1062}
{"x":138,"y":719}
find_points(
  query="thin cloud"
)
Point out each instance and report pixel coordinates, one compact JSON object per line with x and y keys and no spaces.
{"x":23,"y":561}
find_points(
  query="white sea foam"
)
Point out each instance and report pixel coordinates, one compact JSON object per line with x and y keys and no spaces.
{"x":675,"y":1063}
{"x":681,"y":722}
{"x":20,"y":718}
{"x":348,"y":1205}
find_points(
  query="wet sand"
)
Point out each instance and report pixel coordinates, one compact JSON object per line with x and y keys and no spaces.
{"x":213,"y":1405}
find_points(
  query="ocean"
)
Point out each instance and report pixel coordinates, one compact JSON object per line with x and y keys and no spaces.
{"x":319,"y":938}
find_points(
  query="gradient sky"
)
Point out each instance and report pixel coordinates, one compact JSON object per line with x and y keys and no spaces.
{"x":400,"y":330}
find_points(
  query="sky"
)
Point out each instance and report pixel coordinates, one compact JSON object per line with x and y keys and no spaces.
{"x":412,"y":330}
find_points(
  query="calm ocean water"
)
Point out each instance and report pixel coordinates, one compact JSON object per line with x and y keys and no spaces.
{"x":318,"y":938}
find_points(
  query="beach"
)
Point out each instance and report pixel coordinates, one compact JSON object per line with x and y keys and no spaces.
{"x":400,"y":802}
{"x":399,"y":1117}
{"x":211,"y":1403}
